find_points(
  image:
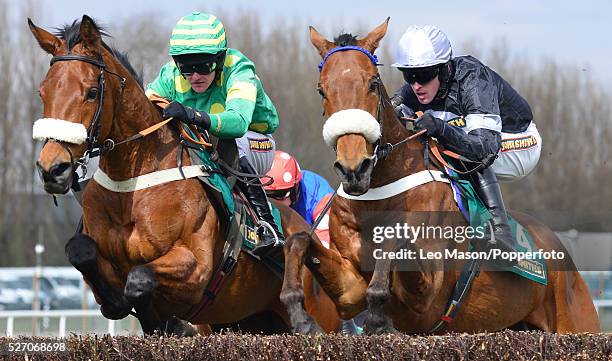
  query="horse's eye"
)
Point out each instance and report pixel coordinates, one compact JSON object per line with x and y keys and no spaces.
{"x":321,"y":93}
{"x":373,"y":86}
{"x":92,"y":94}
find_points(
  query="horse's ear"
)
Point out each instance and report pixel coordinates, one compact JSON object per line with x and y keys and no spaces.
{"x":90,"y":35}
{"x":47,"y":41}
{"x":319,"y":42}
{"x":371,"y":41}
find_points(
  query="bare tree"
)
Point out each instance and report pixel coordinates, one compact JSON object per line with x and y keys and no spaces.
{"x":570,"y":109}
{"x":6,"y":129}
{"x":572,"y":113}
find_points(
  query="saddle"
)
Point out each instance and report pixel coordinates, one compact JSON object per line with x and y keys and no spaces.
{"x":477,"y":215}
{"x":237,"y":218}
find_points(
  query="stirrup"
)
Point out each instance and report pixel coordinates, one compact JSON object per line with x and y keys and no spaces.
{"x":268,"y":226}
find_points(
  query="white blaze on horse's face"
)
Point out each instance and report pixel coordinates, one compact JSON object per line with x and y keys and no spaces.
{"x":351,"y":121}
{"x":59,"y":129}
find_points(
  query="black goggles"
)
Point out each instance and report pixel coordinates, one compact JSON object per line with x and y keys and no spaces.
{"x":201,"y":68}
{"x":279,"y":195}
{"x":420,"y":75}
{"x":199,"y":63}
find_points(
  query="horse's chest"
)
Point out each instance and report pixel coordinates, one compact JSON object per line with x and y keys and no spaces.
{"x":111,"y":239}
{"x":125,"y":234}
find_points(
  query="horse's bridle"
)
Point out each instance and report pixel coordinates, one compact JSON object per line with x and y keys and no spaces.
{"x":381,"y":151}
{"x":93,"y":132}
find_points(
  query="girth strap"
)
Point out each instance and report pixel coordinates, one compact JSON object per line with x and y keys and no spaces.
{"x":148,"y":180}
{"x":231,"y":251}
{"x":470,"y":270}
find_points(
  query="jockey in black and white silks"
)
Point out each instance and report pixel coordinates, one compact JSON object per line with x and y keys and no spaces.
{"x":471,"y":110}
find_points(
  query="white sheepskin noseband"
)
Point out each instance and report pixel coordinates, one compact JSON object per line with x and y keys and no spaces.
{"x":59,"y":129}
{"x":351,"y":121}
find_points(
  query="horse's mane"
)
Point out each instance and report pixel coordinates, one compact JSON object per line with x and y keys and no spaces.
{"x":345,"y":39}
{"x":72,"y":35}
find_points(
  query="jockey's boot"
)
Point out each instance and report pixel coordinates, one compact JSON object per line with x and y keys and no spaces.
{"x":255,"y":194}
{"x":489,"y":192}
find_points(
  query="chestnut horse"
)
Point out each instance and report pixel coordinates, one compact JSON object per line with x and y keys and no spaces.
{"x":153,"y":249}
{"x":414,"y":300}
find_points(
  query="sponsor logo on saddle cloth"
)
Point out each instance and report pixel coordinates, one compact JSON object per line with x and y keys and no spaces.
{"x":250,"y":234}
{"x":261,"y":145}
{"x":527,"y":267}
{"x":249,"y":231}
{"x":521,"y":143}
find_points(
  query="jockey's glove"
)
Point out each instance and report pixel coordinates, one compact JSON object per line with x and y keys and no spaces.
{"x":434,"y":126}
{"x":187,"y":115}
{"x":404,"y":111}
{"x":401,"y":109}
{"x":479,"y":145}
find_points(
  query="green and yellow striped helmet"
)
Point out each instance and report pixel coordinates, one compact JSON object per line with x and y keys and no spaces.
{"x":198,"y":33}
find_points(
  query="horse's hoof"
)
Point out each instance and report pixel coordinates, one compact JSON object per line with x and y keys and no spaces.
{"x":379,"y":326}
{"x":380,"y":331}
{"x":114,"y":313}
{"x":308,"y":328}
{"x":179,"y":328}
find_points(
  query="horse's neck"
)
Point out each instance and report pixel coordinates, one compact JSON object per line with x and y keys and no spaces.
{"x":150,"y":153}
{"x":404,"y":160}
{"x":423,"y":283}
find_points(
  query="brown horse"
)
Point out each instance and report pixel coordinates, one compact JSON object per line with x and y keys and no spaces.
{"x":412,"y":301}
{"x":153,"y":249}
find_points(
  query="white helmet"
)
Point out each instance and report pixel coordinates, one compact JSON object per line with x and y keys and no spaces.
{"x":423,"y":46}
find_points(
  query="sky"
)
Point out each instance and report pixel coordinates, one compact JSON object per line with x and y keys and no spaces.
{"x":571,"y":32}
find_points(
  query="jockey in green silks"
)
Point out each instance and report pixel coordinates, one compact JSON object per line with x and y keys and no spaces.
{"x":215,"y":88}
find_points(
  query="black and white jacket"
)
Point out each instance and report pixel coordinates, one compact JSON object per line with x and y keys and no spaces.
{"x":479,"y":102}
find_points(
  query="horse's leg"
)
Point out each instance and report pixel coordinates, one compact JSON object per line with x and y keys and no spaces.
{"x":204,"y":329}
{"x":318,"y":304}
{"x":82,"y":254}
{"x":139,"y":289}
{"x":377,"y":295}
{"x":292,"y":293}
{"x":175,"y":274}
{"x":338,"y":277}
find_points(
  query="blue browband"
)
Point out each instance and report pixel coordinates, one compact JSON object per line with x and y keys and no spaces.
{"x":372,"y":57}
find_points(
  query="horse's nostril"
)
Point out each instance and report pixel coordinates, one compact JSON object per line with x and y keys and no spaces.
{"x":340,"y":170}
{"x":59,"y":169}
{"x":365,"y":166}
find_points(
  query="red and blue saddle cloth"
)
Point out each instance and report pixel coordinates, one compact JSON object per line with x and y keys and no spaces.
{"x":475,"y":212}
{"x":315,"y":191}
